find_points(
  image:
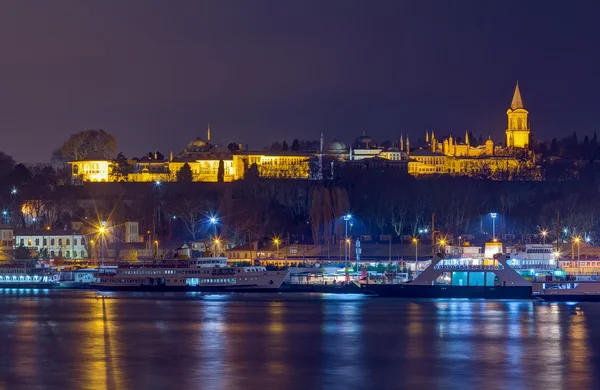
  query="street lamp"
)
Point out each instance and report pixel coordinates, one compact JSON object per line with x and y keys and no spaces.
{"x":102,"y":230}
{"x":347,"y":218}
{"x":416,"y":242}
{"x":577,"y":240}
{"x":276,"y":241}
{"x":441,"y":243}
{"x":544,"y":234}
{"x":494,"y":216}
{"x":217,"y":242}
{"x":13,"y":191}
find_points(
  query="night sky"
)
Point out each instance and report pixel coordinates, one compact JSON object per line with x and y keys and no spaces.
{"x":154,"y":73}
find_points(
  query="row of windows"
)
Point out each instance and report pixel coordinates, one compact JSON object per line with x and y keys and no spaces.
{"x":67,"y":241}
{"x":164,"y":272}
{"x":582,"y":263}
{"x":213,"y":281}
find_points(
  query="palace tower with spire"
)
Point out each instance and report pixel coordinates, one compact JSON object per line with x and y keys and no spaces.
{"x":517,"y":132}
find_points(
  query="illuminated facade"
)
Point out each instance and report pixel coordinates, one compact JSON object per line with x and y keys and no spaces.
{"x":517,"y":132}
{"x":95,"y":168}
{"x":452,"y":157}
{"x":446,"y":156}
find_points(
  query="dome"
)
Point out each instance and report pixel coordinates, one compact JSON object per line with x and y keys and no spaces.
{"x":364,"y":142}
{"x":336,"y":146}
{"x":196,"y":143}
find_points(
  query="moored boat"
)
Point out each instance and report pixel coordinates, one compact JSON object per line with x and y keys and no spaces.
{"x":23,"y":276}
{"x":461,"y":278}
{"x":202,"y":274}
{"x":584,"y":288}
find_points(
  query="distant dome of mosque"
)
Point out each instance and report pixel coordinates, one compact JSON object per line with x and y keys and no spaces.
{"x":364,"y":142}
{"x":336,"y":146}
{"x":196,"y":143}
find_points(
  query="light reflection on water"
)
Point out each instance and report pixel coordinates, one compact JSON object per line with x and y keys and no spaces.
{"x":79,"y":340}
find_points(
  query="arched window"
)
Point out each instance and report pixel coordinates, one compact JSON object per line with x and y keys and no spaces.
{"x":52,"y":242}
{"x":67,"y":254}
{"x":60,"y":241}
{"x":74,"y":254}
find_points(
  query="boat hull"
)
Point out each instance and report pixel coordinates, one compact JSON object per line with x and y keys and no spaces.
{"x":568,"y":297}
{"x":28,"y":285}
{"x":245,"y":289}
{"x":439,"y":291}
{"x":322,"y":288}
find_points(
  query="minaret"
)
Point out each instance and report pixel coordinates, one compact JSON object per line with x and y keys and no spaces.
{"x":208,"y":135}
{"x":433,"y":142}
{"x":467,"y":138}
{"x":171,"y":156}
{"x":401,"y":142}
{"x":407,"y":146}
{"x":427,"y":136}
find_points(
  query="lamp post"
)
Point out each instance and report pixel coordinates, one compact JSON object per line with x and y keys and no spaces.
{"x":544,"y":234}
{"x":416,"y":242}
{"x":217,"y":251}
{"x":442,"y":243}
{"x":494,"y":216}
{"x":213,"y":221}
{"x":577,"y":240}
{"x":102,"y":230}
{"x":347,"y":218}
{"x":276,"y":242}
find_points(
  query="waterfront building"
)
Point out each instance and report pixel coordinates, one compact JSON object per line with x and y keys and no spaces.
{"x":57,"y":243}
{"x":6,"y":237}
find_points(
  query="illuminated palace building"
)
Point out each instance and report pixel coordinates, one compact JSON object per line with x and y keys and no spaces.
{"x":210,"y":162}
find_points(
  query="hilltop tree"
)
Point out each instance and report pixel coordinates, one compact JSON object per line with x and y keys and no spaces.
{"x":285,"y":146}
{"x":184,"y":175}
{"x":120,"y":168}
{"x":80,"y":145}
{"x":295,"y":145}
{"x":7,"y":164}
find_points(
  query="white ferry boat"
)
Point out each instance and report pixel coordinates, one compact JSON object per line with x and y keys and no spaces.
{"x":202,"y":274}
{"x":574,"y":288}
{"x":532,"y":260}
{"x":21,"y":276}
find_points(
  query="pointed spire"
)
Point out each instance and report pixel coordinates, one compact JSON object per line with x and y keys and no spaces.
{"x":171,"y":156}
{"x":401,"y":142}
{"x":208,"y":135}
{"x":517,"y":102}
{"x":407,"y":146}
{"x":426,"y":135}
{"x":467,"y":137}
{"x":432,"y":135}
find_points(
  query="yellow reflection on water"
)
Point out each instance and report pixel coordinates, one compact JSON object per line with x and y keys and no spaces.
{"x":102,"y":368}
{"x":275,"y":353}
{"x":578,"y":359}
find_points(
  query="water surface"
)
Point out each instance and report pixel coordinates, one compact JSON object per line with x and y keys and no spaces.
{"x":79,"y":340}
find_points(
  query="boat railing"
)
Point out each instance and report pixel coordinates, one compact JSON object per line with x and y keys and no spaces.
{"x":533,"y":266}
{"x":445,"y":267}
